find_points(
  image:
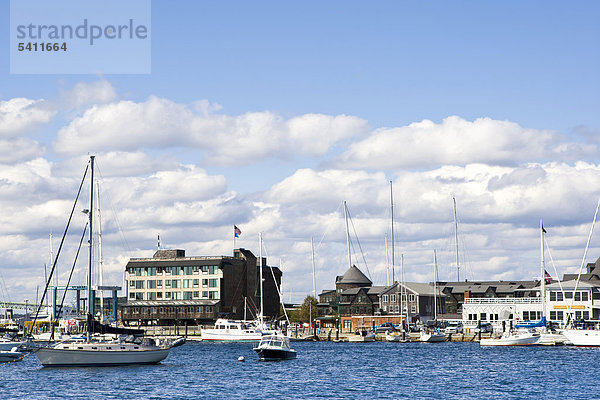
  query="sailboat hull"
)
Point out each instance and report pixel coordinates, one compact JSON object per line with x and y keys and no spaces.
{"x":52,"y":357}
{"x":433,"y":337}
{"x":582,"y":337}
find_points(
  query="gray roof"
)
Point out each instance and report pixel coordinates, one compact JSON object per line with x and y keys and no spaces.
{"x":354,"y":276}
{"x":571,"y":285}
{"x":421,"y":289}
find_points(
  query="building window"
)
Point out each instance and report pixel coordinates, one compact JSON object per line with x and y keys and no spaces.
{"x":577,"y":296}
{"x":132,"y":295}
{"x":205,"y":269}
{"x":213,"y":269}
{"x":584,"y":296}
{"x":151,"y":296}
{"x":413,"y":309}
{"x":139,"y":284}
{"x":159,"y":283}
{"x":586,"y":315}
{"x":176,"y":270}
{"x":139,"y":296}
{"x":552,"y":296}
{"x":212,"y":282}
{"x":152,"y":271}
{"x":176,"y":295}
{"x":482,"y":316}
{"x":213,"y":295}
{"x":205,"y":294}
{"x":196,"y":294}
{"x":168,"y":270}
{"x":411,"y":297}
{"x":187,"y":283}
{"x":204,"y":282}
{"x":568,"y":295}
{"x":175,"y":283}
{"x":385,"y":299}
{"x":187,"y":295}
{"x":187,"y":270}
{"x":151,"y":284}
{"x":167,"y":295}
{"x":196,"y":282}
{"x":138,"y":271}
{"x":131,"y":283}
{"x":393,"y":298}
{"x":397,"y":308}
{"x":159,"y":295}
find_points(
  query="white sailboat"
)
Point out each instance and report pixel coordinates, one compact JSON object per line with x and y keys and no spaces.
{"x":432,"y":334}
{"x":583,"y":337}
{"x":89,"y":352}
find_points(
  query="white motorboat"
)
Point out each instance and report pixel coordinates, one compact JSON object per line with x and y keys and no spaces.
{"x":227,"y":330}
{"x":432,"y":336}
{"x":550,"y":338}
{"x":513,"y":338}
{"x":7,"y":344}
{"x":11,"y":355}
{"x":362,"y":337}
{"x":274,"y":348}
{"x":396,"y":336}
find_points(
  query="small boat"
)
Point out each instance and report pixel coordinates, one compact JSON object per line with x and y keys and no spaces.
{"x":274,"y":348}
{"x":12,"y":355}
{"x":396,"y":336}
{"x":514,"y":338}
{"x":228,"y":330}
{"x":7,"y":343}
{"x":432,"y":336}
{"x":362,"y":337}
{"x":582,"y":337}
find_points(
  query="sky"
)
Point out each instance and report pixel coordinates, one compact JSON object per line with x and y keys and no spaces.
{"x":268,"y":115}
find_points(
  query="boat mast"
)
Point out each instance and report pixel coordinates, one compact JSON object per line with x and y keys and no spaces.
{"x":89,"y":282}
{"x":456,"y":240}
{"x":260,"y":317}
{"x":434,"y":285}
{"x":543,"y":271}
{"x":387,"y":263}
{"x":347,"y":234}
{"x":392,"y":215}
{"x":312,"y":246}
{"x":100,"y":259}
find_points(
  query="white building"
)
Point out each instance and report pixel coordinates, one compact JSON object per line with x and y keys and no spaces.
{"x":563,"y":304}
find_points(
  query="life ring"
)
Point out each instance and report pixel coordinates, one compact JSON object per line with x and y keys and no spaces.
{"x":72,"y":322}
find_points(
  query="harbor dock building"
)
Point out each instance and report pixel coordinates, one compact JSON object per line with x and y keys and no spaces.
{"x":171,"y":288}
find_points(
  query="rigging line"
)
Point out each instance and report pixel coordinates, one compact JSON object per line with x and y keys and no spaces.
{"x":60,"y":247}
{"x":71,"y":273}
{"x":359,"y":245}
{"x":120,"y":229}
{"x":329,"y":227}
{"x":275,"y":281}
{"x":554,"y":266}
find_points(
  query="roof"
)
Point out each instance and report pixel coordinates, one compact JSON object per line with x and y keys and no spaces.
{"x":584,"y":277}
{"x":571,"y":285}
{"x":354,"y":276}
{"x":421,"y":289}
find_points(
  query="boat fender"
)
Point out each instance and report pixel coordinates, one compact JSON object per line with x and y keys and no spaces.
{"x":241,"y":359}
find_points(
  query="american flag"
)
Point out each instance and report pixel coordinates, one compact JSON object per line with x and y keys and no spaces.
{"x":236,"y":231}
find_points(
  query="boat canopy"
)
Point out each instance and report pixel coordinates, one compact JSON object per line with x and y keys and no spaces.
{"x":538,"y":324}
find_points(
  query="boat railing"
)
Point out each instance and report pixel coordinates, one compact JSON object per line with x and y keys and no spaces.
{"x":504,"y":300}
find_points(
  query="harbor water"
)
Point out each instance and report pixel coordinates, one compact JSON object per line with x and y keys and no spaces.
{"x":324,"y":370}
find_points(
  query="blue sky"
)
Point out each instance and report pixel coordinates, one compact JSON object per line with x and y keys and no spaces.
{"x":369,"y":71}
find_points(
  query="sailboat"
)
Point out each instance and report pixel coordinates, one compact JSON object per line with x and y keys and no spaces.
{"x":431,"y":334}
{"x":129,"y":350}
{"x":583,"y":337}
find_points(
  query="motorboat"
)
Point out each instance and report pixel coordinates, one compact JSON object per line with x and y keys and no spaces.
{"x":274,"y":348}
{"x":362,"y":337}
{"x":396,"y":336}
{"x":227,"y":330}
{"x":7,"y":343}
{"x":432,"y":336}
{"x":514,"y":338}
{"x":11,"y":355}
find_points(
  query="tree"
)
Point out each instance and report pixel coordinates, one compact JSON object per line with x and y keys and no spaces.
{"x":308,"y":309}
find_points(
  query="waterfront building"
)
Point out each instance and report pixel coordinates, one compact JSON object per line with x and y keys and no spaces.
{"x":563,"y":305}
{"x":170,"y":288}
{"x":457,"y":292}
{"x":418,"y":302}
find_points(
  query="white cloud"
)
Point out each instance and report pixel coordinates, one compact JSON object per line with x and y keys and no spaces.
{"x":459,"y":142}
{"x":19,"y":115}
{"x":221,"y":139}
{"x":85,"y":94}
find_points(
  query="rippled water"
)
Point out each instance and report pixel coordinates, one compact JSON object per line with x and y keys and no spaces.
{"x":324,"y":370}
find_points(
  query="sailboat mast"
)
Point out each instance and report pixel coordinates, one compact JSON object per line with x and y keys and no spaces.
{"x":347,"y":234}
{"x":312,"y":246}
{"x":260,"y":271}
{"x":543,"y":271}
{"x":387,"y":263}
{"x":91,"y":215}
{"x":100,"y":259}
{"x":434,"y":285}
{"x":392,"y":215}
{"x":456,"y":241}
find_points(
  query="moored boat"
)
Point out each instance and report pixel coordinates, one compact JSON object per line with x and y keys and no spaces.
{"x":227,"y":330}
{"x":513,"y":338}
{"x":582,"y":337}
{"x":11,"y":355}
{"x":274,"y":348}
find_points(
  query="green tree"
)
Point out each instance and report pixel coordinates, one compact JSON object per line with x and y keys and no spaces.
{"x":308,"y":309}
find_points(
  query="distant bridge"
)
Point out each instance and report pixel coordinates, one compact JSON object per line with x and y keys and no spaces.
{"x":30,"y":307}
